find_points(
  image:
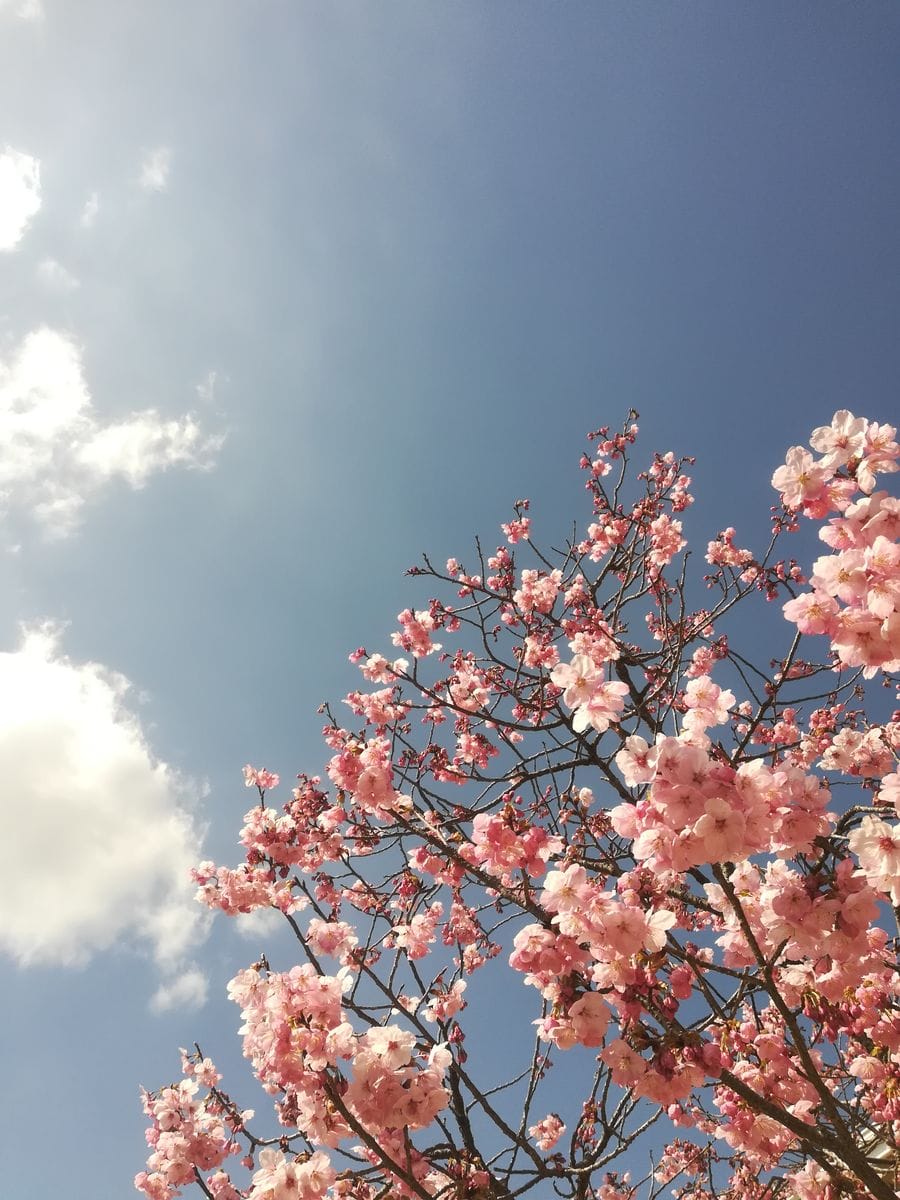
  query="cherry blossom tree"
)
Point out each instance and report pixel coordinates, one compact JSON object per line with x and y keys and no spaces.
{"x":571,"y":793}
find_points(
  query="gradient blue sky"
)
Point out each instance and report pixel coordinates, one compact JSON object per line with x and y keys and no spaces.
{"x":396,"y":259}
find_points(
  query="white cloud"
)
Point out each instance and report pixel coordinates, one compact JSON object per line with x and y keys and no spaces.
{"x":155,"y":169}
{"x":140,"y":446}
{"x":206,"y":388}
{"x":258,"y":924}
{"x":27,"y":10}
{"x":185,"y":990}
{"x":20,"y":195}
{"x":55,"y":275}
{"x":55,"y":451}
{"x":90,"y":210}
{"x":100,"y":836}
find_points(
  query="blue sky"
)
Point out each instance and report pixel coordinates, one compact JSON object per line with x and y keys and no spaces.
{"x":290,"y":292}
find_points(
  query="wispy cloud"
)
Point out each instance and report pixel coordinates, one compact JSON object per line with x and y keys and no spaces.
{"x":206,"y":388}
{"x":187,"y":989}
{"x":90,"y":210}
{"x":26,"y":10}
{"x":259,"y":924}
{"x":55,"y":275}
{"x":20,"y":195}
{"x":101,"y":835}
{"x":55,"y":450}
{"x":155,"y":169}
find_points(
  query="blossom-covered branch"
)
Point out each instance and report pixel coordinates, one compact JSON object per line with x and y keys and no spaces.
{"x":576,"y":779}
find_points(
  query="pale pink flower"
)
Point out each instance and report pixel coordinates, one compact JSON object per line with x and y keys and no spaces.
{"x":260,"y":778}
{"x":813,"y":612}
{"x":840,"y":441}
{"x":637,"y":761}
{"x":590,"y":1017}
{"x":721,"y":831}
{"x":625,"y":1064}
{"x":877,"y":846}
{"x":842,"y":575}
{"x":334,"y":938}
{"x":880,"y":453}
{"x":604,"y":706}
{"x":546,"y":1133}
{"x":565,"y":889}
{"x":279,"y":1179}
{"x":579,"y":679}
{"x":889,"y":792}
{"x":390,"y":1043}
{"x":800,"y":479}
{"x":707,"y":704}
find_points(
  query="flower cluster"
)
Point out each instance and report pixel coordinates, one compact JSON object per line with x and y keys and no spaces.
{"x":593,"y":789}
{"x":855,"y":597}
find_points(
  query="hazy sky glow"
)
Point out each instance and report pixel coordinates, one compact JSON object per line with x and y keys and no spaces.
{"x":292,"y":291}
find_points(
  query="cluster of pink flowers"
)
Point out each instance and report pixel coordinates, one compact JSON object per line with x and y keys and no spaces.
{"x":855,"y":597}
{"x":722,"y":552}
{"x":279,"y":1178}
{"x":259,"y":777}
{"x":827,"y":931}
{"x":296,"y":1034}
{"x":703,"y":925}
{"x":505,"y":844}
{"x":186,"y":1134}
{"x":244,"y":889}
{"x":547,"y":1132}
{"x":596,"y":702}
{"x":517,"y":530}
{"x":699,"y":809}
{"x":414,"y":635}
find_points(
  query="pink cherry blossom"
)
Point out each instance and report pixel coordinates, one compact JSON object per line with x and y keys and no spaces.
{"x":564,"y":839}
{"x":800,"y":479}
{"x":547,"y":1132}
